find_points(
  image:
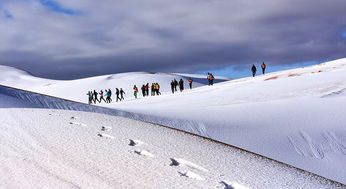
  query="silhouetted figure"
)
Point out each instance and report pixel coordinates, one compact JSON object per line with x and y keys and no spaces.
{"x":253,"y":69}
{"x":122,"y":92}
{"x":175,"y":85}
{"x":95,"y":97}
{"x":117,"y":92}
{"x":135,"y":91}
{"x":190,"y":82}
{"x":152,"y":89}
{"x":90,"y":97}
{"x":147,"y":89}
{"x":263,"y":66}
{"x":143,"y":90}
{"x":172,"y":86}
{"x":101,"y":96}
{"x":181,"y":85}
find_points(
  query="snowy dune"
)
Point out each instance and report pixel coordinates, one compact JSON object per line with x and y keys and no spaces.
{"x":69,"y":149}
{"x":294,"y":116}
{"x":76,"y":89}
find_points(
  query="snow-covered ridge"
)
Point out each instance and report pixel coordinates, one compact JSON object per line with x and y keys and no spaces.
{"x":194,"y":171}
{"x":76,"y":89}
{"x":294,"y":116}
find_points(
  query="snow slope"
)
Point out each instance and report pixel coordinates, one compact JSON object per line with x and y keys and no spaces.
{"x":294,"y":116}
{"x":43,"y":148}
{"x":76,"y":89}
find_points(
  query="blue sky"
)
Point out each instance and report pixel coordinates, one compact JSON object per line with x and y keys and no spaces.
{"x":68,"y":39}
{"x":56,"y":7}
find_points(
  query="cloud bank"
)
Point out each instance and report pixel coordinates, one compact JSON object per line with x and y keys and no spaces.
{"x":66,"y":39}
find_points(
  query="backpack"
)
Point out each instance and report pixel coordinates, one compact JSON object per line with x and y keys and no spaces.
{"x":211,"y":77}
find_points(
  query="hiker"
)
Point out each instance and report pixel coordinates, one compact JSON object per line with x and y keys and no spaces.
{"x":175,"y":85}
{"x":143,"y":90}
{"x":157,"y":89}
{"x":122,"y":92}
{"x":181,"y":85}
{"x":108,"y":96}
{"x":117,"y":92}
{"x":263,"y":66}
{"x":90,"y":95}
{"x":147,"y":89}
{"x":135,"y":91}
{"x":101,"y":96}
{"x":210,"y":79}
{"x":253,"y":69}
{"x":95,"y":96}
{"x":172,"y":86}
{"x":190,"y":82}
{"x":152,"y":89}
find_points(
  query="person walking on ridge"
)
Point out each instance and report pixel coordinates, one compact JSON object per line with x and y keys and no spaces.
{"x":117,"y":92}
{"x":253,"y":69}
{"x":143,"y":90}
{"x":101,"y":96}
{"x":95,"y":97}
{"x":122,"y":92}
{"x":172,"y":86}
{"x":190,"y":82}
{"x":263,"y":66}
{"x":135,"y":91}
{"x":181,"y":85}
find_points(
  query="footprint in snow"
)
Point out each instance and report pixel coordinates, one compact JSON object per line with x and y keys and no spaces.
{"x":104,"y":128}
{"x":105,"y":135}
{"x":232,"y":185}
{"x":182,"y":162}
{"x":144,"y":153}
{"x":77,"y":123}
{"x":135,"y":142}
{"x":190,"y":174}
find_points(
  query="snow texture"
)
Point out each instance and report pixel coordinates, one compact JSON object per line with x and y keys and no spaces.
{"x":40,"y":149}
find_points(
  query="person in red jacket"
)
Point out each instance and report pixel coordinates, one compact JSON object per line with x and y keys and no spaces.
{"x":190,"y":82}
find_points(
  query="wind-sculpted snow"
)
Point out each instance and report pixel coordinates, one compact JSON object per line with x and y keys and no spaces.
{"x":41,"y":149}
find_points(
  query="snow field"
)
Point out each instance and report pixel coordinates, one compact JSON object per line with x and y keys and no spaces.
{"x":40,"y":148}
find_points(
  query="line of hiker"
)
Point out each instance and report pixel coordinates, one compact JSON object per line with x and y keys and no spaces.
{"x":254,"y":69}
{"x":154,"y":89}
{"x":105,"y":96}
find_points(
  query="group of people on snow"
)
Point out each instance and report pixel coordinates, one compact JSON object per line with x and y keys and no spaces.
{"x":254,"y":69}
{"x":155,"y":88}
{"x":106,"y":96}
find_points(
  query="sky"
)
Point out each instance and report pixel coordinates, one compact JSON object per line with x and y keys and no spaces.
{"x":69,"y":39}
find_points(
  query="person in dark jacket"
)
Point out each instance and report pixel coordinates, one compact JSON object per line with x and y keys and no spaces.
{"x":181,"y":85}
{"x":172,"y":86}
{"x":90,"y":97}
{"x":152,"y":89}
{"x":147,"y":89}
{"x":117,"y":92}
{"x":253,"y":69}
{"x":122,"y":92}
{"x":175,"y":84}
{"x":263,"y":66}
{"x":143,"y":90}
{"x":95,"y":97}
{"x":101,"y":96}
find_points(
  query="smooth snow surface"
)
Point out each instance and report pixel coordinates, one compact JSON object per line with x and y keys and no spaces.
{"x":295,"y":116}
{"x":40,"y":148}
